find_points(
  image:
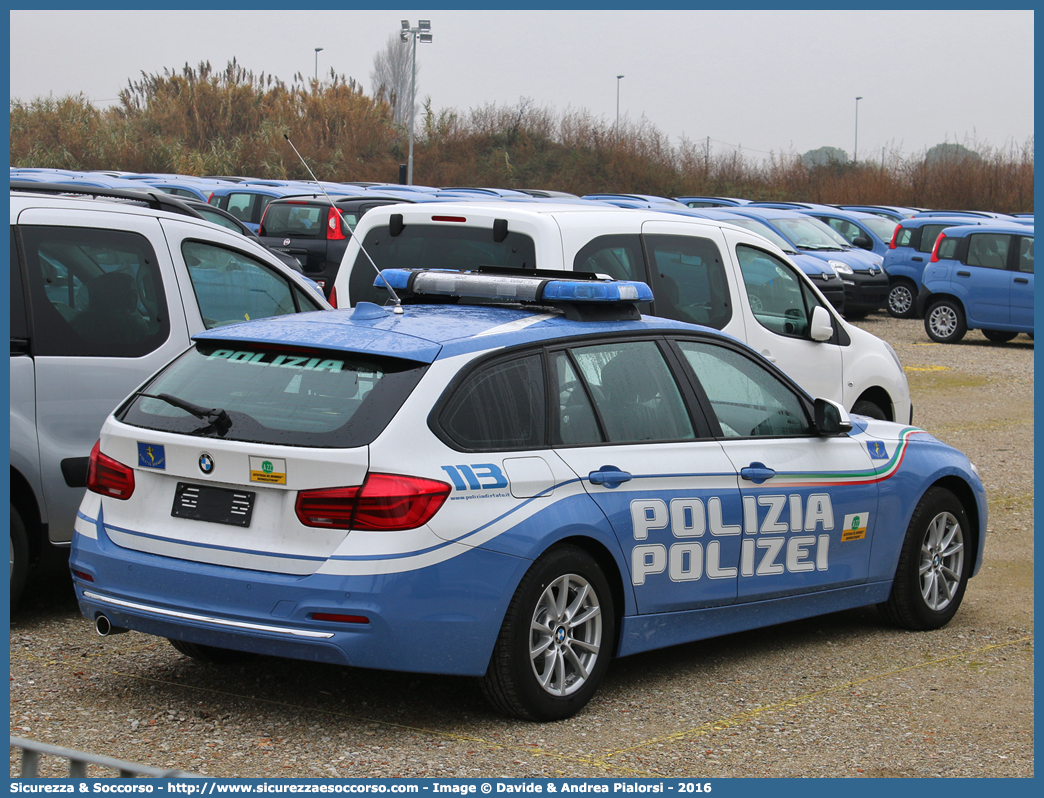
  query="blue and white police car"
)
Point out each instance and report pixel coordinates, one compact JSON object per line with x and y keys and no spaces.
{"x":516,"y":486}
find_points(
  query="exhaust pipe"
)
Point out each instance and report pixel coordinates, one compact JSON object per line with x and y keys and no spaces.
{"x":104,"y":627}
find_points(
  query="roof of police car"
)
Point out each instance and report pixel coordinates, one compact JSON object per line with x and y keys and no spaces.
{"x":424,"y":332}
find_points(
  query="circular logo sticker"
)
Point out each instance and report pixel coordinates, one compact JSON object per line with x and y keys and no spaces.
{"x":206,"y":463}
{"x":266,"y":466}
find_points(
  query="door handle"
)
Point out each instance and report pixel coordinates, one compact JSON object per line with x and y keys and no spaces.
{"x":917,"y":259}
{"x":768,"y":356}
{"x":757,"y":473}
{"x":1021,"y":280}
{"x":964,"y":274}
{"x":609,"y":475}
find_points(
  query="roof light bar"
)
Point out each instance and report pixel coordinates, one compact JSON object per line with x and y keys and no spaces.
{"x":512,"y":288}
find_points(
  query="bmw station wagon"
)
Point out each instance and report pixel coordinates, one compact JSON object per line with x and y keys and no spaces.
{"x":516,"y":492}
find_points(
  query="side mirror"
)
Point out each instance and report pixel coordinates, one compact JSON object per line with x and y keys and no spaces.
{"x":862,"y":242}
{"x":831,"y":418}
{"x":822,"y":329}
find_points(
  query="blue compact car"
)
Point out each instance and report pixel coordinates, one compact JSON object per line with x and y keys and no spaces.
{"x":979,"y":278}
{"x":517,"y":489}
{"x":908,"y":252}
{"x":861,"y":272}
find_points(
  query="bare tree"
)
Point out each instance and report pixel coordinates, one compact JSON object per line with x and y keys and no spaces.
{"x":391,"y":77}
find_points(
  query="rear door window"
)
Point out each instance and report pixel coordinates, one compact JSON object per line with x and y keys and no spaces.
{"x":94,"y":292}
{"x":633,"y":391}
{"x":232,"y":287}
{"x":689,"y":279}
{"x":989,"y":250}
{"x":242,"y":206}
{"x":1026,"y":255}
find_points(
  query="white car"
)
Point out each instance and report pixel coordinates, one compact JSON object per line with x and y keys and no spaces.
{"x":106,"y":287}
{"x":701,"y":271}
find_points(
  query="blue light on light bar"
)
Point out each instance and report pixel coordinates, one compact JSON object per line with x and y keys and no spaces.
{"x":512,"y":288}
{"x":585,"y":291}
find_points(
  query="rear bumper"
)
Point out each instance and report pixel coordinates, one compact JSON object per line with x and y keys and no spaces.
{"x":440,"y":619}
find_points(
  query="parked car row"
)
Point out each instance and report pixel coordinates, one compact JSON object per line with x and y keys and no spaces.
{"x":304,"y":231}
{"x":322,"y":468}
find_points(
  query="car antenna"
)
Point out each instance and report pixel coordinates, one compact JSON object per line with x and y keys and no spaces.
{"x":398,"y":303}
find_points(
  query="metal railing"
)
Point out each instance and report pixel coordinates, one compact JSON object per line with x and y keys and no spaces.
{"x":78,"y":762}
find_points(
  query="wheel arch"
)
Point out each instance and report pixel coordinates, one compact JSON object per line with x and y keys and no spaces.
{"x":24,"y":500}
{"x":610,"y":569}
{"x":880,"y":397}
{"x":966,"y":496}
{"x":934,"y":296}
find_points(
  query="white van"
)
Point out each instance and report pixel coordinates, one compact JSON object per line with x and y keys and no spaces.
{"x":700,"y":271}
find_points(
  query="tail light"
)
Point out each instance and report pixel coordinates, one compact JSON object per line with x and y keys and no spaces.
{"x":109,"y":477}
{"x":895,"y":235}
{"x":333,"y":226}
{"x":384,"y":503}
{"x":333,"y":296}
{"x":935,"y":249}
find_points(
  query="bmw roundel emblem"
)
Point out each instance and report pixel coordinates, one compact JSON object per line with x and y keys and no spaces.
{"x":206,"y":463}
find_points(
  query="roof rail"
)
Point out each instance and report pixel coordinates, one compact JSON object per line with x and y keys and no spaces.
{"x":156,"y":200}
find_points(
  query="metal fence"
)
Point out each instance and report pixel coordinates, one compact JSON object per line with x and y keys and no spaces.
{"x":78,"y":762}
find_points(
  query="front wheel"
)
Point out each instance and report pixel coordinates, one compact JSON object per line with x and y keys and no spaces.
{"x":901,"y":301}
{"x":999,"y":336}
{"x":934,"y":564}
{"x":944,"y":322}
{"x":556,"y":639}
{"x":864,"y":407}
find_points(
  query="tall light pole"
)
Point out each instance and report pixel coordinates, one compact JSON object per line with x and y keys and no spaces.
{"x":422,"y":32}
{"x":317,"y":51}
{"x":855,"y":149}
{"x":618,"y":79}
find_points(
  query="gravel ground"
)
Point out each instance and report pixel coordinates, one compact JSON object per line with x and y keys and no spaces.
{"x":841,"y":696}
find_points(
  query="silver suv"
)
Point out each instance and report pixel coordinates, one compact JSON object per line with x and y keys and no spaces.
{"x":106,"y":287}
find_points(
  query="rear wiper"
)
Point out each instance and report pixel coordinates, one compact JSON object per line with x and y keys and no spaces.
{"x":215,"y":415}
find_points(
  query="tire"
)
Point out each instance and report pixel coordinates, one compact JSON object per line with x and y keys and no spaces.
{"x":934,"y":564}
{"x":864,"y":407}
{"x":944,"y":322}
{"x":212,"y":655}
{"x":551,"y":684}
{"x":19,"y":556}
{"x":901,"y":301}
{"x":999,"y":336}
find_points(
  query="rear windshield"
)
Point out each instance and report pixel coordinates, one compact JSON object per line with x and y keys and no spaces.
{"x":280,"y":396}
{"x":295,"y":220}
{"x":429,"y":246}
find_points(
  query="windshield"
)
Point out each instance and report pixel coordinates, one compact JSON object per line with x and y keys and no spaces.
{"x":282,"y":396}
{"x":763,"y":229}
{"x":882,"y":227}
{"x":808,"y":233}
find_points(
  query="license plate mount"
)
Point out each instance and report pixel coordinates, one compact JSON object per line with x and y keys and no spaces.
{"x":212,"y":504}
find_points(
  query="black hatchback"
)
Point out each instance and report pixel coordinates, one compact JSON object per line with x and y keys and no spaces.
{"x":308,"y":229}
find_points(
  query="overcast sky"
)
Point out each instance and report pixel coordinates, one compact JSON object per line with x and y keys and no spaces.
{"x":766,"y":81}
